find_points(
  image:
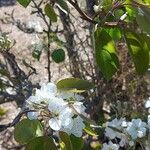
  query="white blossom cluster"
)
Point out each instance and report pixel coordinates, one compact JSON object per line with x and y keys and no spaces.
{"x":127,"y":133}
{"x":63,"y":109}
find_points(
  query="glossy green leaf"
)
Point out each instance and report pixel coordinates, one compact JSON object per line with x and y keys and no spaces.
{"x":26,"y":130}
{"x":58,"y":55}
{"x":49,"y":11}
{"x":89,"y":130}
{"x":74,"y":83}
{"x":41,"y":143}
{"x":65,"y":138}
{"x":77,"y":143}
{"x":139,"y":51}
{"x":143,"y":18}
{"x":105,"y":51}
{"x":63,"y":5}
{"x":24,"y":3}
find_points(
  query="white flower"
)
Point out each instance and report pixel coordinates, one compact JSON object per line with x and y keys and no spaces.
{"x":47,"y":91}
{"x":62,"y":114}
{"x":147,"y":104}
{"x":123,"y":140}
{"x":44,"y":94}
{"x":32,"y":115}
{"x":110,"y":146}
{"x":78,"y":126}
{"x":33,"y":99}
{"x":79,"y":107}
{"x":136,"y":129}
{"x":111,"y":133}
{"x":117,"y":123}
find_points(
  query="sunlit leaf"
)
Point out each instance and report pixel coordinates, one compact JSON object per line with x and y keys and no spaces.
{"x":2,"y":112}
{"x":89,"y":130}
{"x":115,"y":33}
{"x":24,"y":3}
{"x":105,"y":51}
{"x":74,"y":83}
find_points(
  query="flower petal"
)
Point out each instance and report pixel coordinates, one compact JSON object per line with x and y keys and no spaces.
{"x":55,"y":124}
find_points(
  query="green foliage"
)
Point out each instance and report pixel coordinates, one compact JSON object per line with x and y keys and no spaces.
{"x":41,"y":143}
{"x":139,"y":51}
{"x":105,"y":51}
{"x":89,"y":130}
{"x":77,"y":143}
{"x":24,"y":3}
{"x":115,"y":33}
{"x":74,"y":84}
{"x":49,"y":11}
{"x":66,"y":140}
{"x":143,"y":18}
{"x":63,"y":5}
{"x":106,"y":4}
{"x":2,"y":111}
{"x":36,"y":54}
{"x":58,"y":55}
{"x":70,"y":142}
{"x":26,"y":130}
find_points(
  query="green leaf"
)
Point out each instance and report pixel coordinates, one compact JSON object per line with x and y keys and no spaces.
{"x":107,"y":4}
{"x":62,"y":145}
{"x":115,"y":33}
{"x":2,"y":112}
{"x":143,"y":18}
{"x":24,"y":3}
{"x":49,"y":11}
{"x":77,"y":143}
{"x":66,"y":140}
{"x":26,"y":130}
{"x":105,"y":51}
{"x":89,"y":130}
{"x":74,"y":83}
{"x":58,"y":55}
{"x":36,"y":54}
{"x":41,"y":143}
{"x":63,"y":5}
{"x":146,"y":38}
{"x":139,"y":51}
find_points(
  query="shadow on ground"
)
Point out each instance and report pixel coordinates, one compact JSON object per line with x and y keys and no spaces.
{"x":7,"y":2}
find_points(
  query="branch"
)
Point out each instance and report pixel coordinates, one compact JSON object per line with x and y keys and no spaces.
{"x":83,"y":15}
{"x":15,"y":121}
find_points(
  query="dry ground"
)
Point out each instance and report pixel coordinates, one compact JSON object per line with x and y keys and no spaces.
{"x":21,"y":51}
